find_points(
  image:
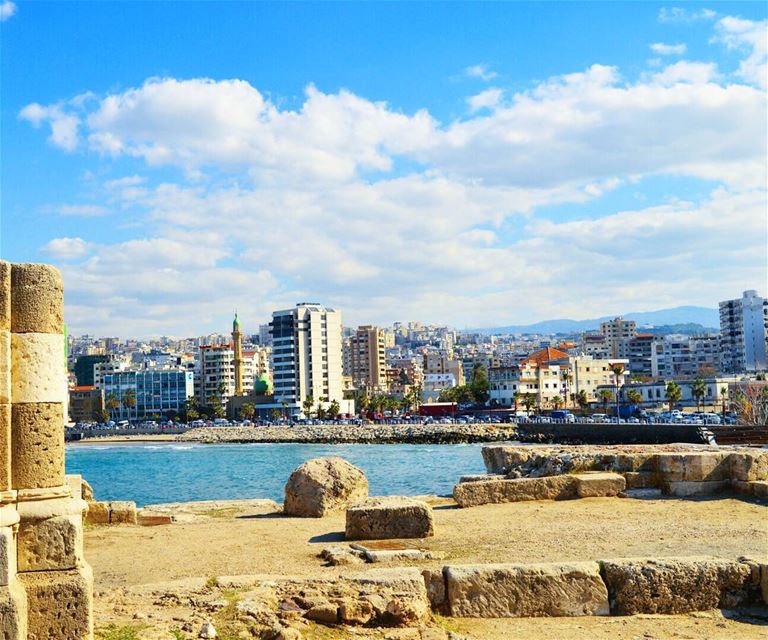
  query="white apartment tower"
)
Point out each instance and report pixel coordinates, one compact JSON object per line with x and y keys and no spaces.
{"x":306,"y":354}
{"x":743,"y":333}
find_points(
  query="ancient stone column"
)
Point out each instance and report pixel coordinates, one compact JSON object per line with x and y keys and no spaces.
{"x":13,"y":597}
{"x":57,"y":581}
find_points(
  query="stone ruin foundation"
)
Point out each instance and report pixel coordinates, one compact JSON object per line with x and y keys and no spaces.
{"x":46,"y":587}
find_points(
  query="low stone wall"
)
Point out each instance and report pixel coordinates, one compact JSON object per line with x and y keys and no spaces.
{"x":678,"y":470}
{"x":607,"y":433}
{"x":606,"y":587}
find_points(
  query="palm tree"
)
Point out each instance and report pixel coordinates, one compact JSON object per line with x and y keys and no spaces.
{"x":333,"y":410}
{"x":556,"y":402}
{"x":605,"y":396}
{"x":699,"y":390}
{"x":191,"y":409}
{"x":567,"y":377}
{"x":129,"y":401}
{"x":516,"y":399}
{"x":112,"y":403}
{"x":529,"y":401}
{"x":363,"y":401}
{"x":674,"y":393}
{"x":617,"y":369}
{"x":307,"y":405}
{"x":634,"y":396}
{"x":582,"y":399}
{"x":724,"y":397}
{"x":248,"y":410}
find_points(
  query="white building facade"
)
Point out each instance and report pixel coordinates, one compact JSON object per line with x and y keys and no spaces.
{"x":743,"y":333}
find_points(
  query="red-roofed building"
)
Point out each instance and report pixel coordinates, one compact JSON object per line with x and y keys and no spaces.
{"x":86,"y":404}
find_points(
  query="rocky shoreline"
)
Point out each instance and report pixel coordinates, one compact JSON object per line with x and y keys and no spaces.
{"x":352,"y":434}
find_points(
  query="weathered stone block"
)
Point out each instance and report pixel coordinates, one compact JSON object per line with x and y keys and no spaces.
{"x":51,"y":544}
{"x":691,"y":489}
{"x":435,"y":583}
{"x":7,"y":556}
{"x":500,"y":459}
{"x":597,"y":485}
{"x":641,"y":480}
{"x":694,"y":466}
{"x":60,"y":603}
{"x":678,"y":585}
{"x":154,"y":518}
{"x":38,"y":445}
{"x":98,"y":513}
{"x":749,"y":466}
{"x":389,"y":517}
{"x":478,"y":477}
{"x":470,"y":494}
{"x":759,"y":488}
{"x":122,"y":512}
{"x":324,"y":485}
{"x":5,"y":366}
{"x":37,"y":367}
{"x":5,"y":295}
{"x":535,"y":590}
{"x":633,"y":462}
{"x":5,"y":447}
{"x":764,"y":582}
{"x":13,"y":611}
{"x":37,"y":299}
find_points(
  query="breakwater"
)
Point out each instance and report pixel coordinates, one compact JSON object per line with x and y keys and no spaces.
{"x":360,"y":434}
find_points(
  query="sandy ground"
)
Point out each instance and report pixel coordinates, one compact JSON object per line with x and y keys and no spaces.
{"x":254,"y":538}
{"x":257,"y":539}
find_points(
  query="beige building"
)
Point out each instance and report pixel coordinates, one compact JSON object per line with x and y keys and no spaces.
{"x":443,"y":362}
{"x":216,"y":367}
{"x":364,"y":359}
{"x":618,"y":332}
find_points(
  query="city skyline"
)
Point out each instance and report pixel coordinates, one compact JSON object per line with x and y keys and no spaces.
{"x":516,"y":162}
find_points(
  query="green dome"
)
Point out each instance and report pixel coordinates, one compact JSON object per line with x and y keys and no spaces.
{"x":262,"y":386}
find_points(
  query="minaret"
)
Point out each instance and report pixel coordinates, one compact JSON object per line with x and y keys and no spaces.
{"x":237,"y":343}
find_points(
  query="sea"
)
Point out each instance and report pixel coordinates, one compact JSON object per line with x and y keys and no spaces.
{"x":158,"y":472}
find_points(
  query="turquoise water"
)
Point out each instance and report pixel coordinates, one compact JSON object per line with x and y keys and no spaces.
{"x":150,"y":473}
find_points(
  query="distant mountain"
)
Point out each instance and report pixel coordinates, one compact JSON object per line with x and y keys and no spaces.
{"x":708,"y":319}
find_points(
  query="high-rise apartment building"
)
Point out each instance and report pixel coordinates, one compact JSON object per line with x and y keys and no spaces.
{"x":364,"y":358}
{"x":306,"y":355}
{"x":617,"y":334}
{"x":743,"y":333}
{"x":685,"y":356}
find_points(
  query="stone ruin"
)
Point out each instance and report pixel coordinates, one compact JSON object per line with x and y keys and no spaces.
{"x":46,"y":587}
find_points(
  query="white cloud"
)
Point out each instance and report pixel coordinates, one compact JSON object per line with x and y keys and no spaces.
{"x":64,"y":125}
{"x":487,"y":99}
{"x":480,"y":71}
{"x":7,"y":9}
{"x":751,"y":36}
{"x":679,"y":14}
{"x":687,"y":72}
{"x":66,"y":248}
{"x":668,"y":49}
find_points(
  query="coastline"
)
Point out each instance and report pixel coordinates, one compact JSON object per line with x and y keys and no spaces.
{"x":352,"y":434}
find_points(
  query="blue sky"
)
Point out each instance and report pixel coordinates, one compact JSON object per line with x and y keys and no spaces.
{"x":474,"y":164}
